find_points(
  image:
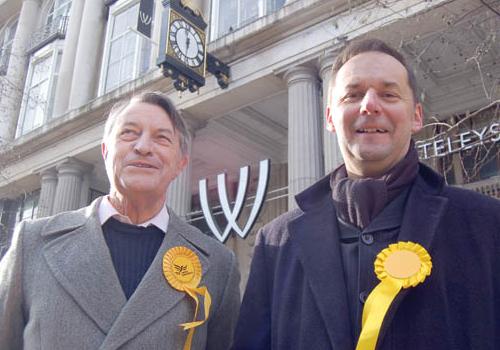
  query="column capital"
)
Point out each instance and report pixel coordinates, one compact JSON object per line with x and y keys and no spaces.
{"x":72,"y":166}
{"x":48,"y":174}
{"x":325,"y":63}
{"x":301,"y":73}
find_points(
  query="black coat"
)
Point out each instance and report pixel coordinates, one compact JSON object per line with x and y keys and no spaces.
{"x":296,"y":295}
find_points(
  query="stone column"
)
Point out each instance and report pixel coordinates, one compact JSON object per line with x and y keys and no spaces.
{"x":85,"y":189}
{"x":63,"y":87}
{"x":88,"y":54}
{"x":331,"y":151}
{"x":179,"y":191}
{"x":70,"y":175}
{"x":48,"y":181}
{"x":13,"y":82}
{"x":305,"y":159}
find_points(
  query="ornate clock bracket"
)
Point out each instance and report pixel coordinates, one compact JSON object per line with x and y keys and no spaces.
{"x":219,"y":69}
{"x":187,"y":68}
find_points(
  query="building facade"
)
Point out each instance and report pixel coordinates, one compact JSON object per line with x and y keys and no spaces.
{"x":64,"y":63}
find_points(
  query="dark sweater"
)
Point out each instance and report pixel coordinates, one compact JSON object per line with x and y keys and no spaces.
{"x":132,"y":249}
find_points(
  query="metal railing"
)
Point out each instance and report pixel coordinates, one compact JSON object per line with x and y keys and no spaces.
{"x":489,"y":187}
{"x":50,"y":32}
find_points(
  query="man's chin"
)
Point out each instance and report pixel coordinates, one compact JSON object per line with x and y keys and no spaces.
{"x":140,"y":187}
{"x":373,"y":153}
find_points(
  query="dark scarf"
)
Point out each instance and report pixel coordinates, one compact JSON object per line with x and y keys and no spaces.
{"x":359,"y":201}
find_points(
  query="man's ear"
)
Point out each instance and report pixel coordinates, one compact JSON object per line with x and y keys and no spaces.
{"x":104,"y":150}
{"x":182,"y":164}
{"x":329,"y":120}
{"x":418,"y":119}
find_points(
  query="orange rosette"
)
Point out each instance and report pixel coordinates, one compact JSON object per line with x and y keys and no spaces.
{"x":182,"y":270}
{"x":400,"y":265}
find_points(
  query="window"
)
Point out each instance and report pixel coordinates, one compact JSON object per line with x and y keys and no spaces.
{"x":46,"y":53}
{"x":127,"y":53}
{"x":59,"y":9}
{"x":56,"y":22}
{"x":8,"y":215}
{"x":481,"y":162}
{"x":94,"y":194}
{"x":29,"y":207}
{"x":228,"y":15}
{"x":39,"y":89}
{"x":6,"y":39}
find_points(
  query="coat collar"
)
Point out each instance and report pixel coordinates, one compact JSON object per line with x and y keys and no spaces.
{"x":78,"y":257}
{"x":424,"y":211}
{"x":315,"y":236}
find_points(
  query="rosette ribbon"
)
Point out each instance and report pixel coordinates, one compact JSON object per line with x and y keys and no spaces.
{"x":401,"y":265}
{"x":182,"y":270}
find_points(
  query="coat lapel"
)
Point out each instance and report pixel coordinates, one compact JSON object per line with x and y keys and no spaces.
{"x":315,"y":237}
{"x":424,"y":209}
{"x":154,"y":297}
{"x":81,"y":263}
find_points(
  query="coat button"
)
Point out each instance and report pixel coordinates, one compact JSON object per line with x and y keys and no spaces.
{"x":367,"y":238}
{"x":363,"y":296}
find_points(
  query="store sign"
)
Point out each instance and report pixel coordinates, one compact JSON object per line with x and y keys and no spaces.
{"x":233,"y":214}
{"x":460,"y":142}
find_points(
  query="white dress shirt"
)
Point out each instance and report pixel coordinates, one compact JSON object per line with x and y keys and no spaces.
{"x":106,"y":211}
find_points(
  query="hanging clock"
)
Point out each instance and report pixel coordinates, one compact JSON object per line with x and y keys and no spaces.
{"x":187,"y":43}
{"x":183,"y":46}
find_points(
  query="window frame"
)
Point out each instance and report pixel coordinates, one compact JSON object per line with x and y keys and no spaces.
{"x":33,"y":196}
{"x":54,"y":51}
{"x":10,"y":27}
{"x":53,"y":9}
{"x":116,"y":9}
{"x":265,"y":7}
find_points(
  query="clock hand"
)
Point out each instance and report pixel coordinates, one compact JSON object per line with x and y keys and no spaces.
{"x":187,"y":43}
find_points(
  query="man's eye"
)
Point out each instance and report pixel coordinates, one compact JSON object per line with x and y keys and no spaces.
{"x":165,"y":138}
{"x":390,"y":95}
{"x":128,"y":133}
{"x":352,"y":96}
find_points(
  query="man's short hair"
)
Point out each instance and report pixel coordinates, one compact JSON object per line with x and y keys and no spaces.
{"x":156,"y":99}
{"x":374,"y":45}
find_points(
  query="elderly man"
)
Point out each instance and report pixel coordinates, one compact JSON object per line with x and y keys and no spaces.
{"x":125,"y":272}
{"x":312,"y":283}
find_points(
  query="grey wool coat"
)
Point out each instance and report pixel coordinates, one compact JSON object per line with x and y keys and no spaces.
{"x":59,"y":290}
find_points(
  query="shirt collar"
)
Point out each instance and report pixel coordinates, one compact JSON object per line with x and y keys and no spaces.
{"x":106,"y":211}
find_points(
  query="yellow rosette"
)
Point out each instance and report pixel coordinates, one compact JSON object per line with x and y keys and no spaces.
{"x":182,"y":269}
{"x":401,"y":265}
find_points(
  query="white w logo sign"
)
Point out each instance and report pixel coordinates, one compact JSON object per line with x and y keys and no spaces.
{"x":233,"y":215}
{"x":146,"y":19}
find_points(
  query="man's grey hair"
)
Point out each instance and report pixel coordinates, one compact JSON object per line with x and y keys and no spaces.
{"x":157,"y":99}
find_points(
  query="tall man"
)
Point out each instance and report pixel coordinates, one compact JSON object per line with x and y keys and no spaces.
{"x":116,"y":274}
{"x":313,"y":267}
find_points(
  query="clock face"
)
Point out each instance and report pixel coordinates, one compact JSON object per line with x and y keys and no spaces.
{"x":187,"y":43}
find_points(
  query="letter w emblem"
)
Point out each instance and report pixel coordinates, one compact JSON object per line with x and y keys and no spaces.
{"x":233,"y":215}
{"x":145,"y":18}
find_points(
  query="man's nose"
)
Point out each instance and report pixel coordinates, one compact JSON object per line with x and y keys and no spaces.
{"x":143,"y":144}
{"x":370,"y":104}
